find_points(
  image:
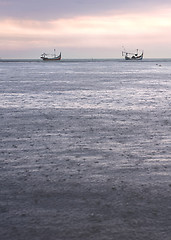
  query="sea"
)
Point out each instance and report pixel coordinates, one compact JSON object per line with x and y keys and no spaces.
{"x":91,"y":109}
{"x":85,"y":149}
{"x":86,"y":84}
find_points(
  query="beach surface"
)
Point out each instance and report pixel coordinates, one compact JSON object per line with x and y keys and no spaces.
{"x":85,"y":165}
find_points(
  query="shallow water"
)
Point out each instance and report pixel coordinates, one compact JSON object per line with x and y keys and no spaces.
{"x":102,"y":85}
{"x":126,"y":103}
{"x":85,"y":150}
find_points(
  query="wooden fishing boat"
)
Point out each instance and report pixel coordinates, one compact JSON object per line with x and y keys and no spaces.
{"x":133,"y":56}
{"x":50,"y":57}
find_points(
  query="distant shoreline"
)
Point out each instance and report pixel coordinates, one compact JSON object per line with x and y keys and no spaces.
{"x":89,"y":60}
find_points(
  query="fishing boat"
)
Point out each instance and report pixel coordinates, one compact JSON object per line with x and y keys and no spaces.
{"x":50,"y":57}
{"x":133,"y":56}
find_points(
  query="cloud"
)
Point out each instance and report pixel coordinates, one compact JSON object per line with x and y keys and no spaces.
{"x":55,"y":9}
{"x":86,"y":30}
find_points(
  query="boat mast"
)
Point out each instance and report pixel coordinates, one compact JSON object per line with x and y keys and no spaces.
{"x":54,"y":52}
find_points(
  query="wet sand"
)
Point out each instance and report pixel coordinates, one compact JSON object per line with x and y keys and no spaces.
{"x":85,"y":174}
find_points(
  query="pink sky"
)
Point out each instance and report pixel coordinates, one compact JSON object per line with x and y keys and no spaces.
{"x":86,"y":35}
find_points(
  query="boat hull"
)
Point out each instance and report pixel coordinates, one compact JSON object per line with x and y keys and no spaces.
{"x":51,"y":59}
{"x":134,"y":58}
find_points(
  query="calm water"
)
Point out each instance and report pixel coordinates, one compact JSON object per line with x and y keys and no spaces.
{"x":87,"y":109}
{"x":85,"y":150}
{"x":100,"y":85}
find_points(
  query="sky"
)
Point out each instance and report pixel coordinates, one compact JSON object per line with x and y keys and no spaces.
{"x":85,"y":28}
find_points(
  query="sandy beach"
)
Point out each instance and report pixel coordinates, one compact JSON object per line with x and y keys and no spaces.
{"x":85,"y":173}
